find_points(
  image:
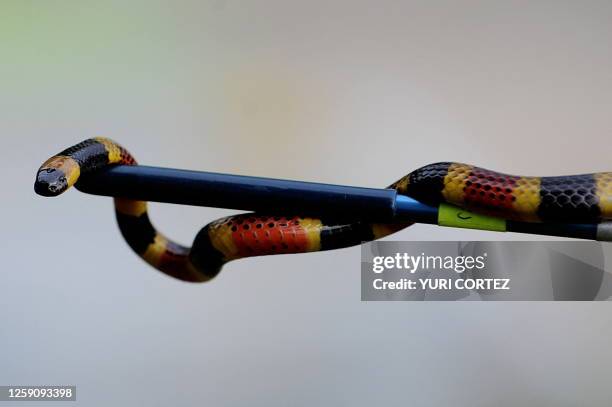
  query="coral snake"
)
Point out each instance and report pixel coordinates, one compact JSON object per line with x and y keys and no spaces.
{"x":577,"y":198}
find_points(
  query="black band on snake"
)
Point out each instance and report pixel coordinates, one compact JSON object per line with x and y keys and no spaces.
{"x":579,"y":198}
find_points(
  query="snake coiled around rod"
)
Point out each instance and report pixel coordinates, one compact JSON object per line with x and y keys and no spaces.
{"x":578,"y":198}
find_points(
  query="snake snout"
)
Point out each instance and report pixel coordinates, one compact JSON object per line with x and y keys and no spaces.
{"x":56,"y":175}
{"x":50,"y":182}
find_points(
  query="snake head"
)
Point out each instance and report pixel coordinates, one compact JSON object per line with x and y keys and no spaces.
{"x":56,"y":175}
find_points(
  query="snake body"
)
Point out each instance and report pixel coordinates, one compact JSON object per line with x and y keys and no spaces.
{"x":578,"y":198}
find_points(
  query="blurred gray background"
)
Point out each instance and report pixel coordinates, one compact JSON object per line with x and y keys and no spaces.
{"x":342,"y":92}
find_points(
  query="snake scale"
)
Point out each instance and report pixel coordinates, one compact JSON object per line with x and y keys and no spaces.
{"x":577,"y":198}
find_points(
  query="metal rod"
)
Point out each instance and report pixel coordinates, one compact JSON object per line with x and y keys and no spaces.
{"x":296,"y":197}
{"x":240,"y":192}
